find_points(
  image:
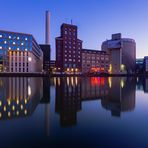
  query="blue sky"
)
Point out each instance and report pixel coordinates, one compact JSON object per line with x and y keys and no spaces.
{"x":96,"y":19}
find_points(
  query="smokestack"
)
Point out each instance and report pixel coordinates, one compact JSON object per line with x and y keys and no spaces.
{"x":47,"y":30}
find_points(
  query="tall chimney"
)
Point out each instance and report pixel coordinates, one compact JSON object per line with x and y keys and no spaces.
{"x":47,"y":30}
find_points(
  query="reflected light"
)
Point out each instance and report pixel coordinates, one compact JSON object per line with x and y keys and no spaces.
{"x":76,"y":80}
{"x":9,"y":102}
{"x":5,"y":108}
{"x":17,"y":101}
{"x":29,"y":90}
{"x":54,"y":81}
{"x":13,"y":107}
{"x":122,"y":83}
{"x":17,"y":113}
{"x":0,"y":103}
{"x":22,"y":107}
{"x":25,"y":112}
{"x":59,"y":81}
{"x":68,"y":81}
{"x":25,"y":101}
{"x":110,"y":82}
{"x":72,"y":83}
{"x":9,"y":114}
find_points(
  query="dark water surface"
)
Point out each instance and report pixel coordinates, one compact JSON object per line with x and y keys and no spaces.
{"x":74,"y":112}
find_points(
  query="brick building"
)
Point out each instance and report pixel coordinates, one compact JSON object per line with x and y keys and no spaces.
{"x":68,"y":50}
{"x":94,"y":61}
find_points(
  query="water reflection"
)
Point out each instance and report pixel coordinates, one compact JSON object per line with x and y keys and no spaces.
{"x":68,"y":100}
{"x":121,"y":96}
{"x":19,"y":96}
{"x":48,"y":110}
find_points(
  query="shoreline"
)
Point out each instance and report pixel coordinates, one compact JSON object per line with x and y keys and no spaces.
{"x":69,"y":75}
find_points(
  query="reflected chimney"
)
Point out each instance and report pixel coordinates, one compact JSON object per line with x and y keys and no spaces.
{"x":47,"y":30}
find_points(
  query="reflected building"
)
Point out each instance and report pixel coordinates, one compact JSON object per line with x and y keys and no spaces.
{"x":68,"y":99}
{"x":94,"y":88}
{"x":145,"y":85}
{"x":121,"y":96}
{"x":46,"y":101}
{"x":19,"y":96}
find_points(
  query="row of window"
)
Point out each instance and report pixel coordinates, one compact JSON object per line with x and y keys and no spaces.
{"x":20,"y":70}
{"x":16,"y":37}
{"x":88,"y":65}
{"x":15,"y":48}
{"x":93,"y":58}
{"x":71,"y":33}
{"x":15,"y":53}
{"x":72,"y":60}
{"x":71,"y":51}
{"x":94,"y":55}
{"x":86,"y":61}
{"x":12,"y":42}
{"x":70,"y":55}
{"x":19,"y":64}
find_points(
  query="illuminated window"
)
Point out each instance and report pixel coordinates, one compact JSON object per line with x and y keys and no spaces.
{"x":1,"y":36}
{"x":18,"y":49}
{"x":9,"y":37}
{"x":5,"y":42}
{"x":13,"y":43}
{"x":26,"y":49}
{"x":0,"y":47}
{"x":26,"y":39}
{"x":18,"y":38}
{"x":29,"y":59}
{"x":22,"y":43}
{"x":9,"y":48}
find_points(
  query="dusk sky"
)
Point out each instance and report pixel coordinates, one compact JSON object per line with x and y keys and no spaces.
{"x":96,"y":20}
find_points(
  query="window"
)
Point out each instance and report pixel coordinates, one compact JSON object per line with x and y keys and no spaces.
{"x":9,"y":37}
{"x":26,"y":39}
{"x":13,"y":43}
{"x":18,"y":38}
{"x":65,"y":31}
{"x":5,"y":42}
{"x":0,"y":47}
{"x":1,"y":36}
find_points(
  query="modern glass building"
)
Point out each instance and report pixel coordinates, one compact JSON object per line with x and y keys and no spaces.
{"x":19,"y":53}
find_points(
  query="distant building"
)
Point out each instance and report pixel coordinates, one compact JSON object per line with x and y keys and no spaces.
{"x":46,"y":57}
{"x":19,"y":53}
{"x":52,"y":66}
{"x":122,"y":54}
{"x":139,"y":65}
{"x":68,"y":50}
{"x":94,"y":61}
{"x":146,"y":64}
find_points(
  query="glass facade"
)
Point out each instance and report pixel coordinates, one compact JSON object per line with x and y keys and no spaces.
{"x":20,"y":44}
